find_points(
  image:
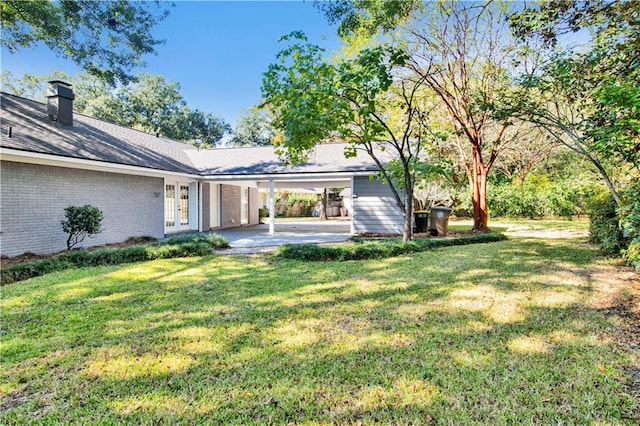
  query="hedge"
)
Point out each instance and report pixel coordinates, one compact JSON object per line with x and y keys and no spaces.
{"x":183,"y":246}
{"x":377,"y":248}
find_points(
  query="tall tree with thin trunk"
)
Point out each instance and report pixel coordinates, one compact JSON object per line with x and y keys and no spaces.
{"x":463,"y":52}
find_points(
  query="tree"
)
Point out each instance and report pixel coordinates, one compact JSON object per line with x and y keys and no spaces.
{"x":551,"y":102}
{"x":81,"y":222}
{"x":253,"y":129}
{"x":463,"y":52}
{"x":605,"y":78}
{"x":517,"y":160}
{"x":155,"y":105}
{"x":362,"y":101}
{"x":106,"y":38}
{"x":202,"y":129}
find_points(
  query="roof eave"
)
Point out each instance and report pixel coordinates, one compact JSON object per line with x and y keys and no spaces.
{"x":19,"y":156}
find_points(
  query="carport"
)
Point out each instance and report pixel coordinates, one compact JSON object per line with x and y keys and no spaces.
{"x":316,"y":232}
{"x":231,"y":180}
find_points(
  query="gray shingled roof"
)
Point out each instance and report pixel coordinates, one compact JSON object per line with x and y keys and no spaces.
{"x":88,"y":138}
{"x":93,"y":139}
{"x":325,"y":158}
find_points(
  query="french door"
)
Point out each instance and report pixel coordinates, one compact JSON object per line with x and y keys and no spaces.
{"x":177,"y":206}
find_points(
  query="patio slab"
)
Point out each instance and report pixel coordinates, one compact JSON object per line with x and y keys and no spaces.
{"x":257,"y":236}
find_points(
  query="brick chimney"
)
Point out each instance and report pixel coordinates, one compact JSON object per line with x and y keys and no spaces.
{"x":60,"y":101}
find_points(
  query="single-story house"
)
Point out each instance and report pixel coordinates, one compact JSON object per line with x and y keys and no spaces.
{"x":147,"y":185}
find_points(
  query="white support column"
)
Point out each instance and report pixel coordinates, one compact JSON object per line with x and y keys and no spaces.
{"x":353,"y":202}
{"x":199,"y":206}
{"x":272,"y":207}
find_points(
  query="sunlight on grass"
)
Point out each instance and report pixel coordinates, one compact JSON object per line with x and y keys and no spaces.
{"x":529,"y":345}
{"x":145,"y":271}
{"x":14,"y":302}
{"x":570,"y":338}
{"x":195,"y":340}
{"x":73,"y":293}
{"x":480,"y":298}
{"x":473,"y":360}
{"x":496,"y":305}
{"x":113,"y":364}
{"x":158,"y":403}
{"x":564,"y":277}
{"x":401,"y":393}
{"x":554,"y":298}
{"x":113,"y":297}
{"x":295,"y":335}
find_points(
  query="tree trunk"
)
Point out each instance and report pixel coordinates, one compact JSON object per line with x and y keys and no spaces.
{"x":323,"y":205}
{"x":607,"y":180}
{"x":407,"y":232}
{"x":478,"y":183}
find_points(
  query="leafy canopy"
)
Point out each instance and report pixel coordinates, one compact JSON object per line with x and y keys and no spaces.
{"x":253,"y":129}
{"x":106,"y":38}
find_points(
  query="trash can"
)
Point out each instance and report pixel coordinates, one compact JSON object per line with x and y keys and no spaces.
{"x":439,"y":221}
{"x":420,"y":218}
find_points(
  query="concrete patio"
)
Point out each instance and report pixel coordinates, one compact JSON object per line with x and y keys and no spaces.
{"x":256,"y":238}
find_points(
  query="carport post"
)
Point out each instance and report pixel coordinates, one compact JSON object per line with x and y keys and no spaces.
{"x":272,"y":207}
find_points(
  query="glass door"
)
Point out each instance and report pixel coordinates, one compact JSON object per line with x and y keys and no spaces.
{"x":170,"y":206}
{"x":183,"y":208}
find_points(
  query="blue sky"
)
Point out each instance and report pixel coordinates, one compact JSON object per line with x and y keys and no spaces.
{"x":216,"y":50}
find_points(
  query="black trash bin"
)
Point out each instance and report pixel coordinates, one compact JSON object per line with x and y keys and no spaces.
{"x":420,"y":218}
{"x":439,"y":221}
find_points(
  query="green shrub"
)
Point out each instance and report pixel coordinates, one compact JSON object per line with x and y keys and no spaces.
{"x":604,"y":229}
{"x":263,"y":213}
{"x":214,"y":240}
{"x":295,"y":204}
{"x":31,"y":269}
{"x":81,"y":222}
{"x":514,"y":201}
{"x":377,"y":248}
{"x":559,"y":201}
{"x":629,"y":218}
{"x":632,"y":254}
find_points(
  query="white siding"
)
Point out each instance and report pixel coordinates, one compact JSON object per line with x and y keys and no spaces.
{"x":375,"y":208}
{"x":34,"y":197}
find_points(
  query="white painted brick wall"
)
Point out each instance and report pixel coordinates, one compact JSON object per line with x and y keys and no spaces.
{"x":33,"y":198}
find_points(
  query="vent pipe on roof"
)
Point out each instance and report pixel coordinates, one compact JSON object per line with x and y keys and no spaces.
{"x":60,"y":101}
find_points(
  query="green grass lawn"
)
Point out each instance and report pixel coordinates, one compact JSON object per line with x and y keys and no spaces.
{"x":515,"y":332}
